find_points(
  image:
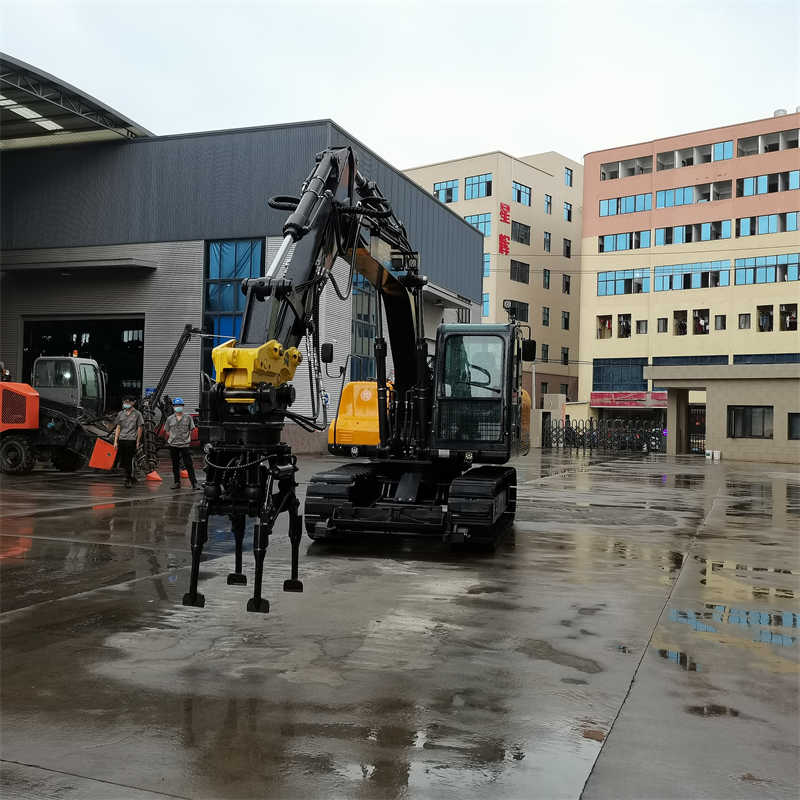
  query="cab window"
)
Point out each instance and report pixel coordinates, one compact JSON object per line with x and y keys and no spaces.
{"x":473,"y":367}
{"x":90,"y":385}
{"x":55,"y":373}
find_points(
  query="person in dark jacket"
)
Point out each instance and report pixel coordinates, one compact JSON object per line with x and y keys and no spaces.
{"x":179,"y":427}
{"x":127,"y":436}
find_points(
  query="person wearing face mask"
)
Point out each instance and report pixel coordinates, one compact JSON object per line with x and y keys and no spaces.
{"x":179,"y":427}
{"x":127,"y":436}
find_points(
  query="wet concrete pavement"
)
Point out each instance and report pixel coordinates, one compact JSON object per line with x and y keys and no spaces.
{"x":635,"y":637}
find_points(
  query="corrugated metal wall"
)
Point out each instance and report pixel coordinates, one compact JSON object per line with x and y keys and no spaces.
{"x":208,"y":186}
{"x":168,"y":298}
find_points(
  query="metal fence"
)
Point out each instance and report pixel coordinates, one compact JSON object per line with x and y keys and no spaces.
{"x":609,"y":435}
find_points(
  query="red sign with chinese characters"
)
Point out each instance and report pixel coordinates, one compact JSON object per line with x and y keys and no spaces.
{"x":628,"y":400}
{"x":505,"y":213}
{"x":504,"y":241}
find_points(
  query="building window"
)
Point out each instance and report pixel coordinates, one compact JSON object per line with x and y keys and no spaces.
{"x":520,"y":193}
{"x":619,"y":374}
{"x":668,"y":198}
{"x":767,"y":269}
{"x":720,"y":322}
{"x":565,"y":282}
{"x":723,"y":151}
{"x":766,"y":223}
{"x":788,"y":317}
{"x":564,"y":389}
{"x":567,"y":248}
{"x":698,"y":232}
{"x":623,"y":326}
{"x":567,"y":176}
{"x":614,"y":242}
{"x":679,"y":326}
{"x":744,"y":322}
{"x":228,"y":262}
{"x":519,"y":310}
{"x":545,"y":315}
{"x":626,"y":205}
{"x":768,"y":184}
{"x":547,"y":241}
{"x":643,"y":165}
{"x":363,"y":329}
{"x":520,"y":271}
{"x":604,"y":326}
{"x":545,"y":278}
{"x":568,"y":212}
{"x":623,"y":281}
{"x":750,"y":422}
{"x":700,"y":321}
{"x":662,"y":325}
{"x":764,"y":319}
{"x":446,"y":191}
{"x":793,"y":425}
{"x":699,"y":275}
{"x":545,"y":353}
{"x":483,"y":222}
{"x":478,"y":186}
{"x":487,"y":265}
{"x":485,"y":305}
{"x":520,"y":233}
{"x":641,"y":326}
{"x":565,"y":320}
{"x":548,"y":204}
{"x":545,"y":387}
{"x":463,"y":315}
{"x":565,"y":356}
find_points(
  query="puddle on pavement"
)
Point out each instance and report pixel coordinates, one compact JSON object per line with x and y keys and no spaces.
{"x":544,"y":651}
{"x":713,"y":710}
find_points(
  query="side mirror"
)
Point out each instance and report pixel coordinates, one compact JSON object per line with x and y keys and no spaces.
{"x":528,"y":350}
{"x":326,"y":353}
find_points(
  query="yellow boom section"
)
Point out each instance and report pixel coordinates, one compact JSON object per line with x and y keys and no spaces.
{"x":245,"y":367}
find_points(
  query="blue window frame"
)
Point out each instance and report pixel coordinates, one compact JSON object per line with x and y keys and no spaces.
{"x":794,"y":179}
{"x":762,"y":184}
{"x":614,"y":242}
{"x":548,"y":204}
{"x":791,"y":221}
{"x":521,"y":193}
{"x":567,"y":176}
{"x":628,"y":281}
{"x":767,"y":269}
{"x":726,"y":229}
{"x":767,"y":223}
{"x":478,"y":186}
{"x":567,"y":212}
{"x":228,"y":262}
{"x":483,"y":222}
{"x":626,"y":205}
{"x":744,"y":226}
{"x":619,"y":374}
{"x":723,"y":151}
{"x":487,"y":264}
{"x":485,"y":305}
{"x":749,"y":187}
{"x":699,"y":275}
{"x":446,"y":191}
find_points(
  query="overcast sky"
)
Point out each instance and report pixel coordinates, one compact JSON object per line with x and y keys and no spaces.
{"x":425,"y":81}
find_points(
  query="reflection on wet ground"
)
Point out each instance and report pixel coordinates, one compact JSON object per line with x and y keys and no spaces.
{"x":638,"y":601}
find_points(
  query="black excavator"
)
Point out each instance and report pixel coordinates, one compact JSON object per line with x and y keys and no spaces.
{"x":447,"y":425}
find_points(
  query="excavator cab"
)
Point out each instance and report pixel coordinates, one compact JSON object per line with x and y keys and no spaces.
{"x":478,"y":391}
{"x":74,"y":386}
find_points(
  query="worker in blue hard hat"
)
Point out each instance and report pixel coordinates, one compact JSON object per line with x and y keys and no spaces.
{"x":179,"y":427}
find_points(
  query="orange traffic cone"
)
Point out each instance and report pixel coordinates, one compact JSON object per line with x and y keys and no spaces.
{"x":184,"y":473}
{"x":153,"y":476}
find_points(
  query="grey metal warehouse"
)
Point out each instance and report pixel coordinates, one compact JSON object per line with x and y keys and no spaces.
{"x":113,"y":239}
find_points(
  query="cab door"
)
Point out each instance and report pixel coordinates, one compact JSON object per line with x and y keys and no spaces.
{"x":91,"y":382}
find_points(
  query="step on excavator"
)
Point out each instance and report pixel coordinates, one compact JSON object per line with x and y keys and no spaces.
{"x":447,"y":425}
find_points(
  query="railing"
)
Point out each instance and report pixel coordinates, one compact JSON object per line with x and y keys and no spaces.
{"x":608,"y":435}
